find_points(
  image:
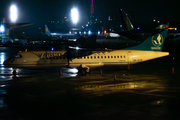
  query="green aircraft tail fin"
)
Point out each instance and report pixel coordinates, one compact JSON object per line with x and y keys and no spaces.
{"x":153,"y":43}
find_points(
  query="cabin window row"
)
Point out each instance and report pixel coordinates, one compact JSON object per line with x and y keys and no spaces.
{"x":88,"y":57}
{"x":101,"y":57}
{"x":55,"y":58}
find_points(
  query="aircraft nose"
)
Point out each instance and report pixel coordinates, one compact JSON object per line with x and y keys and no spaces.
{"x":7,"y":62}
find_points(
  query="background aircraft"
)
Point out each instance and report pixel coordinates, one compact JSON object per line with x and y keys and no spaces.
{"x":64,"y":36}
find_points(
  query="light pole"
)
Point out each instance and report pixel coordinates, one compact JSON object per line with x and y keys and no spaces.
{"x":13,"y":15}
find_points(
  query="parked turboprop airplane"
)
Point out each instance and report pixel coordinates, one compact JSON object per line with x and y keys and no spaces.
{"x":151,"y":48}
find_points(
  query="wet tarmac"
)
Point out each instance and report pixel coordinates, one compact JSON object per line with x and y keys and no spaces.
{"x":150,"y":90}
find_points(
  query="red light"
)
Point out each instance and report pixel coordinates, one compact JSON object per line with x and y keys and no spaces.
{"x":167,"y":26}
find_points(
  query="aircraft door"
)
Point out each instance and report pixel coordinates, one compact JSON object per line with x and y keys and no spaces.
{"x":129,"y":56}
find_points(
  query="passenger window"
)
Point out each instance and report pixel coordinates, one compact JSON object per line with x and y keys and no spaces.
{"x":94,"y":57}
{"x":91,"y":57}
{"x":104,"y":56}
{"x":101,"y":56}
{"x":114,"y":56}
{"x":108,"y":56}
{"x":98,"y":57}
{"x":117,"y":56}
{"x":124,"y":56}
{"x":111,"y":56}
{"x":121,"y":56}
{"x":88,"y":57}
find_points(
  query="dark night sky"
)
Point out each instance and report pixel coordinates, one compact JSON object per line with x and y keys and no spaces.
{"x":143,"y":11}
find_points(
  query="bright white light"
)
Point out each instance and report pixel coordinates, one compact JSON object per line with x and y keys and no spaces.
{"x":98,"y":32}
{"x":52,"y":49}
{"x":2,"y":59}
{"x":77,"y":48}
{"x":89,"y":32}
{"x":158,"y":21}
{"x":114,"y":35}
{"x":79,"y":32}
{"x":13,"y":13}
{"x":84,"y":32}
{"x":2,"y":68}
{"x":86,"y":25}
{"x":2,"y":28}
{"x":74,"y":15}
{"x":175,"y":28}
{"x":74,"y":70}
{"x":69,"y":32}
{"x":154,"y":20}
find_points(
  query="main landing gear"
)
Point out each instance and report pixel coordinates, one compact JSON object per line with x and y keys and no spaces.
{"x":83,"y":69}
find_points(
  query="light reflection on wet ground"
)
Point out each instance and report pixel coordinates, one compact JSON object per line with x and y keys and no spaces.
{"x":148,"y":91}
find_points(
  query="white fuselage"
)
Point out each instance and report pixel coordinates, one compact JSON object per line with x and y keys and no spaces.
{"x":45,"y":59}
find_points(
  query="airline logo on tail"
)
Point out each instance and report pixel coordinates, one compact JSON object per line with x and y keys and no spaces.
{"x":46,"y":30}
{"x":157,"y":41}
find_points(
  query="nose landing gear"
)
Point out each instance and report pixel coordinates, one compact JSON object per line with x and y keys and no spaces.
{"x":14,"y":72}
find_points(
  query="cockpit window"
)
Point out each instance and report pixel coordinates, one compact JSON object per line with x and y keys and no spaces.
{"x":17,"y":56}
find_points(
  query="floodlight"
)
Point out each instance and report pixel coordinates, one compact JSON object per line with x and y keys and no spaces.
{"x":2,"y":28}
{"x":74,"y":15}
{"x":13,"y":13}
